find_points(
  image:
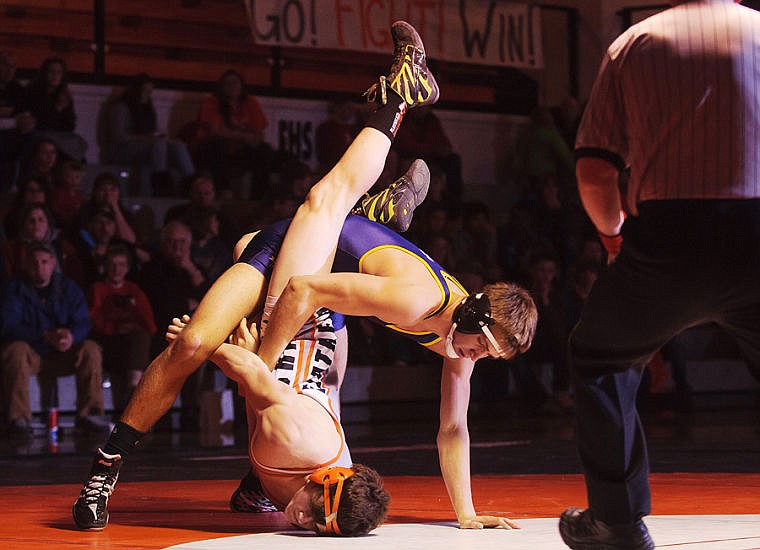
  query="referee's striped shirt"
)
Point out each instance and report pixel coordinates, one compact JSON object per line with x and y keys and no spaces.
{"x":677,"y":99}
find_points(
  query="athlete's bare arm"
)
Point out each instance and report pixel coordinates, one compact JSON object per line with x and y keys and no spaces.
{"x":454,"y":445}
{"x":394,"y":299}
{"x":293,"y":429}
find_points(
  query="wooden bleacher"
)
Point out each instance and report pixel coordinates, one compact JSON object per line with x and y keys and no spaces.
{"x":194,"y":41}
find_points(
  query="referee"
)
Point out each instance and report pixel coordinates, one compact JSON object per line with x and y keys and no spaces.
{"x":676,"y":100}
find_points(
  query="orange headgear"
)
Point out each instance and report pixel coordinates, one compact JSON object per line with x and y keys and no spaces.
{"x":327,"y":477}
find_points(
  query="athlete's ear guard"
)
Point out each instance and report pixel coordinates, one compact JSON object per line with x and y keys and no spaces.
{"x":327,"y":477}
{"x":473,"y":316}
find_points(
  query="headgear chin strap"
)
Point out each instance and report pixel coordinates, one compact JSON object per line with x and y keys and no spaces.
{"x":327,"y":477}
{"x":473,"y":316}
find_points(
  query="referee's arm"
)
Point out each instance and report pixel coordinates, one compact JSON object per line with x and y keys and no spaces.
{"x":600,"y":194}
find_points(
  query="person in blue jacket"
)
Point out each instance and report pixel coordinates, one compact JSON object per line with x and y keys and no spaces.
{"x":44,"y":324}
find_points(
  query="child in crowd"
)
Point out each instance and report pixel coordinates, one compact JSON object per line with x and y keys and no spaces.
{"x":122,"y":323}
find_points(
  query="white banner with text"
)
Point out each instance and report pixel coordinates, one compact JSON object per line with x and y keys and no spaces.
{"x":486,"y":32}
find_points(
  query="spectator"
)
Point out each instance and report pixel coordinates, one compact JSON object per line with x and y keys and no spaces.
{"x":30,"y":191}
{"x":558,"y":222}
{"x":175,"y":285}
{"x":122,"y":323}
{"x":44,"y":327}
{"x":591,"y":251}
{"x":439,"y":248}
{"x":202,"y":195}
{"x":67,"y":196}
{"x":106,"y":193}
{"x":52,"y":106}
{"x":42,"y":164}
{"x":296,"y":178}
{"x":231,"y":135}
{"x":283,"y":205}
{"x":15,"y":123}
{"x":431,"y":216}
{"x":477,"y":245}
{"x":208,"y":251}
{"x":134,"y":139}
{"x":567,"y":118}
{"x":422,"y":136}
{"x":585,"y":274}
{"x":335,"y":134}
{"x":541,"y":152}
{"x":549,"y":345}
{"x":37,"y":225}
{"x":94,"y":241}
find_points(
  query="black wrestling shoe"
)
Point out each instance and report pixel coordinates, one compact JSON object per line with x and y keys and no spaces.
{"x":409,"y":75}
{"x":249,"y":497}
{"x":91,"y":508}
{"x":395,"y":205}
{"x":581,"y":531}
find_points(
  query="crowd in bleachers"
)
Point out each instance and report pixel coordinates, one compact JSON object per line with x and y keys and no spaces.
{"x":136,"y":281}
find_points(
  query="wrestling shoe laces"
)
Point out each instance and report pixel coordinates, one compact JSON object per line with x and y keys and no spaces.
{"x":409,"y":75}
{"x":394,"y":206}
{"x":91,"y":508}
{"x":250,"y":498}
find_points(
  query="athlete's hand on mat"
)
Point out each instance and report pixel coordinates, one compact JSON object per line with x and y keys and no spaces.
{"x":176,"y":327}
{"x":480,"y":522}
{"x":246,"y":335}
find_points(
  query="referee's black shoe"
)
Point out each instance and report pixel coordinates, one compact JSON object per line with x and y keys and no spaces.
{"x":581,"y":531}
{"x":91,"y":508}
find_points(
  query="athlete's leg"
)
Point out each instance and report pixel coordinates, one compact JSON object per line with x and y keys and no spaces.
{"x":233,"y":296}
{"x":313,"y":233}
{"x":310,"y":242}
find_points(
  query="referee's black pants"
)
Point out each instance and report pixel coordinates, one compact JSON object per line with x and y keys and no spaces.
{"x":682,"y":263}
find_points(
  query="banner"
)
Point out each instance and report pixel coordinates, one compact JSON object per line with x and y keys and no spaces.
{"x":486,"y":32}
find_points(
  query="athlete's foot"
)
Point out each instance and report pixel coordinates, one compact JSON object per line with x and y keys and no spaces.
{"x":250,"y":497}
{"x":409,"y":75}
{"x":91,"y":508}
{"x":394,"y":206}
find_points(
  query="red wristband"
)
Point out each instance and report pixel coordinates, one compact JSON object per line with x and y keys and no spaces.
{"x":611,"y":243}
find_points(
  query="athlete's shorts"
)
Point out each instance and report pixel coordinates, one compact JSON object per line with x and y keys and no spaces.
{"x":306,"y":359}
{"x":262,"y":251}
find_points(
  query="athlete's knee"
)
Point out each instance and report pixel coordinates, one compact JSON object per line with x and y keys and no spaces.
{"x":189,"y":347}
{"x":298,"y":286}
{"x":329,"y":195}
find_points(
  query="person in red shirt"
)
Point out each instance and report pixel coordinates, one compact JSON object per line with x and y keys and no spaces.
{"x":122,"y":323}
{"x":231,"y":135}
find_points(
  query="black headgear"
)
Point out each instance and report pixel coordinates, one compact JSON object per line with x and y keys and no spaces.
{"x":473,"y":314}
